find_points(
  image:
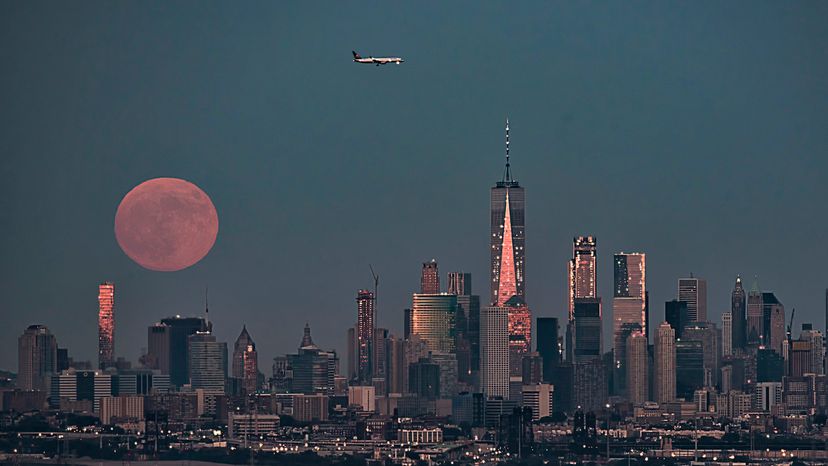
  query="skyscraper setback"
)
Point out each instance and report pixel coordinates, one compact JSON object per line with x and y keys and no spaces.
{"x":629,"y":306}
{"x":106,"y":325}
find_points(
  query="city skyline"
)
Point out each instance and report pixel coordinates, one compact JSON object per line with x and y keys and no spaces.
{"x":647,"y":177}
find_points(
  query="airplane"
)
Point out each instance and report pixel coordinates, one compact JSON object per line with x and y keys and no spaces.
{"x":378,"y":61}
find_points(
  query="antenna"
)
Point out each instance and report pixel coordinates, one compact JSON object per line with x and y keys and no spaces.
{"x":508,"y":175}
{"x":376,"y":287}
{"x":206,"y":309}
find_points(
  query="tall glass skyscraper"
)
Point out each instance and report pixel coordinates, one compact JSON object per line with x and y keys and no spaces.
{"x":629,"y":307}
{"x":365,"y":335}
{"x":433,"y":318}
{"x":106,"y":325}
{"x":583,"y":280}
{"x":508,"y":261}
{"x":693,"y":291}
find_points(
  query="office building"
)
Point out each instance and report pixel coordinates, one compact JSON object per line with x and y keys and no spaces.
{"x":169,"y":343}
{"x":433,"y":320}
{"x":587,"y":329}
{"x":817,"y":347}
{"x":638,"y":381}
{"x":208,"y":363}
{"x":675,"y":313}
{"x":313,"y":369}
{"x":738,"y":311}
{"x":548,"y":345}
{"x":430,"y":278}
{"x":106,"y":325}
{"x":583,"y":280}
{"x":629,"y":306}
{"x":589,"y":384}
{"x":689,"y":367}
{"x":424,"y":379}
{"x":494,"y":351}
{"x":755,"y":320}
{"x":708,"y":335}
{"x":693,"y":291}
{"x":245,"y":361}
{"x":773,"y":315}
{"x":459,"y":283}
{"x":539,"y":397}
{"x":727,"y":333}
{"x":37,"y":358}
{"x":665,"y":364}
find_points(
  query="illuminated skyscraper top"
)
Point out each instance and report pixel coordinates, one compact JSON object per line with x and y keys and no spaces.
{"x":106,"y":325}
{"x":583,"y":282}
{"x":507,"y":237}
{"x":430,"y":279}
{"x":365,"y":334}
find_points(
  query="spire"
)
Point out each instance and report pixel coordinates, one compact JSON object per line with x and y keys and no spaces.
{"x":307,"y":341}
{"x":507,"y":176}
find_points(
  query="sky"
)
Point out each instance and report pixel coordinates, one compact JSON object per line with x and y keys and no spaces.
{"x":692,"y":131}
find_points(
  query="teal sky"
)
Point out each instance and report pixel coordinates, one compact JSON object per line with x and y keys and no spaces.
{"x":692,"y":131}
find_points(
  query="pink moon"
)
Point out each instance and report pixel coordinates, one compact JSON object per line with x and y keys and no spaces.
{"x":166,"y":224}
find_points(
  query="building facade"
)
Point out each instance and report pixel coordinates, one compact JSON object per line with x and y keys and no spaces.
{"x":106,"y":325}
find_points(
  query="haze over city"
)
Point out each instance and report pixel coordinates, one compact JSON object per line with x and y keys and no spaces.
{"x":694,"y":133}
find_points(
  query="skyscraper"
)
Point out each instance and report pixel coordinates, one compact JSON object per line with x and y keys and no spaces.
{"x":313,"y":368}
{"x":817,"y":347}
{"x":433,"y":319}
{"x":494,"y":351}
{"x":675,"y":313}
{"x":430,"y":278}
{"x":520,"y":336}
{"x":178,"y":330}
{"x":208,"y":363}
{"x":773,"y":315}
{"x":738,"y":308}
{"x":583,"y":281}
{"x":727,"y":333}
{"x":547,"y":344}
{"x":365,"y":335}
{"x":507,"y":237}
{"x":689,"y":367}
{"x":637,"y":368}
{"x":708,"y":335}
{"x":459,"y":283}
{"x":755,"y":321}
{"x":106,"y":325}
{"x":693,"y":291}
{"x":37,"y":358}
{"x":246,"y":361}
{"x":629,"y":306}
{"x":587,"y":331}
{"x":665,"y":364}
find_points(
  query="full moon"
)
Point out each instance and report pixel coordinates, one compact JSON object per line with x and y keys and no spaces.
{"x":166,"y":224}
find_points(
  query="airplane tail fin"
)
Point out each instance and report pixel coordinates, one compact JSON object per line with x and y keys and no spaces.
{"x":356,"y":55}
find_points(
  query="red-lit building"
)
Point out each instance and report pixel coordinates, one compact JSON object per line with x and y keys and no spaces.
{"x":106,"y":325}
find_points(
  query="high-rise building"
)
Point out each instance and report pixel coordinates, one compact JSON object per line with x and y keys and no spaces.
{"x":397,"y":365}
{"x":773,"y":315}
{"x":708,"y":335}
{"x":629,"y":306}
{"x":675,"y":313}
{"x":539,"y":397}
{"x":664,"y":373}
{"x":494,"y":351}
{"x":547,"y":344}
{"x":208,"y":363}
{"x":365,"y":334}
{"x":589,"y":384}
{"x":689,"y":367}
{"x":800,"y":358}
{"x":727,"y":333}
{"x":313,"y":369}
{"x":430,"y":279}
{"x":424,"y":379}
{"x":170,"y":338}
{"x":246,"y":361}
{"x":469,"y":306}
{"x":693,"y":291}
{"x":507,"y":238}
{"x":520,"y":335}
{"x":587,"y":329}
{"x":817,"y":347}
{"x":37,"y":358}
{"x":583,"y":281}
{"x":158,"y":348}
{"x":738,"y":311}
{"x":770,"y":366}
{"x":755,"y":320}
{"x":638,"y":370}
{"x":459,"y":283}
{"x":433,"y":319}
{"x":353,"y":348}
{"x":106,"y":325}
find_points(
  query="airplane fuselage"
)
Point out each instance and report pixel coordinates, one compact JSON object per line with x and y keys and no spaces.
{"x":377,"y":60}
